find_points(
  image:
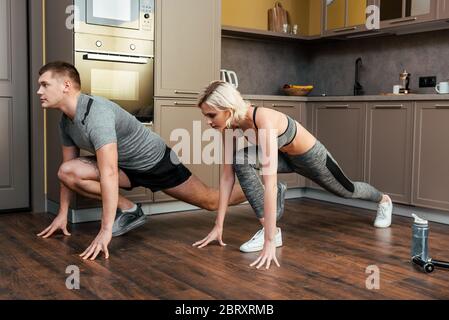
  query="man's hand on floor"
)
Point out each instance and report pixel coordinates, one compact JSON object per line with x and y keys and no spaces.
{"x":60,"y":222}
{"x":100,"y":243}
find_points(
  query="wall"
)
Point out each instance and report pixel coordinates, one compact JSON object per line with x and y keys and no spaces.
{"x":332,"y":64}
{"x":36,"y":48}
{"x":263,"y":67}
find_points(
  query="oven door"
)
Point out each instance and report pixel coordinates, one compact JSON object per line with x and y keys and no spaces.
{"x":126,"y":80}
{"x":114,"y":13}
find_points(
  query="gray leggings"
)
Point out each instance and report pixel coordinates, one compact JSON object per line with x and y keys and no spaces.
{"x":317,"y":164}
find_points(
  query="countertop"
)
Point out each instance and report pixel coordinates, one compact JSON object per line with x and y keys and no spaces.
{"x":408,"y":97}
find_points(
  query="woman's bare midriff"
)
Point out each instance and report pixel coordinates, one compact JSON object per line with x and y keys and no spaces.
{"x":303,"y":142}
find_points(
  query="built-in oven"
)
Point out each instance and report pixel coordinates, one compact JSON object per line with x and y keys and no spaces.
{"x":119,"y":69}
{"x":118,"y":18}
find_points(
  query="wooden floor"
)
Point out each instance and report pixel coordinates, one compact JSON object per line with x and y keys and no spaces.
{"x":326,"y":251}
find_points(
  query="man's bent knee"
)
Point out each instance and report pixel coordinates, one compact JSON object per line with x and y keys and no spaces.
{"x":66,"y":173}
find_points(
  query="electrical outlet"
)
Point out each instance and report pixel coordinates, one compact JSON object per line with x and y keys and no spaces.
{"x":427,"y":82}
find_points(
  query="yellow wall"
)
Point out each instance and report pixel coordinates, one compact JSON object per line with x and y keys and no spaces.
{"x":253,"y":14}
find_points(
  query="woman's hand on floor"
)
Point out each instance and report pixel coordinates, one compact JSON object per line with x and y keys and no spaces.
{"x":215,"y":235}
{"x":100,"y":243}
{"x":268,"y":254}
{"x":60,"y":222}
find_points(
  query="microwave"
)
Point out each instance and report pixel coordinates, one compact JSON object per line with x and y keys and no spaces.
{"x":118,"y":18}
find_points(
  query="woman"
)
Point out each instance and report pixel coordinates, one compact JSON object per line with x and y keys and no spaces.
{"x":283,"y":144}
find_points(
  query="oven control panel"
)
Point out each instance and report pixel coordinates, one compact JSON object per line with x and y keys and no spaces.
{"x":147,"y":15}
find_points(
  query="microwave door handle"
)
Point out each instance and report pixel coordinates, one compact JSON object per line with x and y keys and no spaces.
{"x":115,"y":58}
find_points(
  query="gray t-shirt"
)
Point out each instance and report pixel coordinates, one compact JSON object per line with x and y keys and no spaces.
{"x":139,"y":148}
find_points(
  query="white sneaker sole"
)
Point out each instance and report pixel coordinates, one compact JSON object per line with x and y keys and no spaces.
{"x":256,"y":249}
{"x":247,"y":249}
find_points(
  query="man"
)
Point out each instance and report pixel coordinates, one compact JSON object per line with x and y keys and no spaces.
{"x":127,"y":155}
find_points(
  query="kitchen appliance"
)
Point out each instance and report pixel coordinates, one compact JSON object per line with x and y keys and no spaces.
{"x":405,"y":82}
{"x":229,"y":76}
{"x":119,"y":69}
{"x":119,"y":18}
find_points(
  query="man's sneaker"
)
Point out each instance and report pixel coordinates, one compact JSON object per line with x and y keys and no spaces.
{"x":282,"y":188}
{"x":126,"y":221}
{"x":384,"y":211}
{"x":257,"y":241}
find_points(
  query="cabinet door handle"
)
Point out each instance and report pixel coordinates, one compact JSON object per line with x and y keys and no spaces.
{"x":186,"y":92}
{"x":405,"y":20}
{"x":345,"y":29}
{"x":336,"y":106}
{"x":442,"y":106}
{"x":389,"y":106}
{"x":282,"y":105}
{"x":184,"y":104}
{"x":115,"y":58}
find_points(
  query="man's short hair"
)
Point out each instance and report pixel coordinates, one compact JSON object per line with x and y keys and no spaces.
{"x":63,"y":69}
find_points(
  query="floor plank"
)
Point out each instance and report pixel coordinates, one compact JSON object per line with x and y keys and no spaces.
{"x":327,"y":248}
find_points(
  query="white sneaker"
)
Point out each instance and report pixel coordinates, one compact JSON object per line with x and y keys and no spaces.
{"x":257,"y":241}
{"x":384,"y":211}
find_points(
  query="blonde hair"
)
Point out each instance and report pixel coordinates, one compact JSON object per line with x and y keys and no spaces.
{"x":223,"y":96}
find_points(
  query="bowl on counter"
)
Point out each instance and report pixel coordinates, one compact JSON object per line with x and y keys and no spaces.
{"x":296,"y":90}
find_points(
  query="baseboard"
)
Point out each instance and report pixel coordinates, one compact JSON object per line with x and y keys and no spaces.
{"x":398,"y":209}
{"x":94,"y":214}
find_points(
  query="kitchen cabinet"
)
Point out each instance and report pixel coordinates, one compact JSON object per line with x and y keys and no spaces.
{"x":443,"y":9}
{"x":340,"y":127}
{"x":345,"y":16}
{"x":389,"y":150}
{"x":296,"y":110}
{"x":140,"y":194}
{"x":315,"y":18}
{"x":251,"y":15}
{"x":242,"y":142}
{"x":430,"y":167}
{"x":403,"y":12}
{"x":137,"y":195}
{"x":186,"y":118}
{"x":188,"y":46}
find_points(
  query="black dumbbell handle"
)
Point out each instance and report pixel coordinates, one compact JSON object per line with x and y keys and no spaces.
{"x":428,"y":267}
{"x":441,"y":264}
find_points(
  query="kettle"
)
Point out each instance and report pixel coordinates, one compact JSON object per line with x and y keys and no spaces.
{"x":404,"y":76}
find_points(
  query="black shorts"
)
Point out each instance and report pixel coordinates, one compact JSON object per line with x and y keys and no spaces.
{"x":164,"y":175}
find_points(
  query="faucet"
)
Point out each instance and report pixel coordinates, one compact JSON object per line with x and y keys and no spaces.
{"x":358,"y":88}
